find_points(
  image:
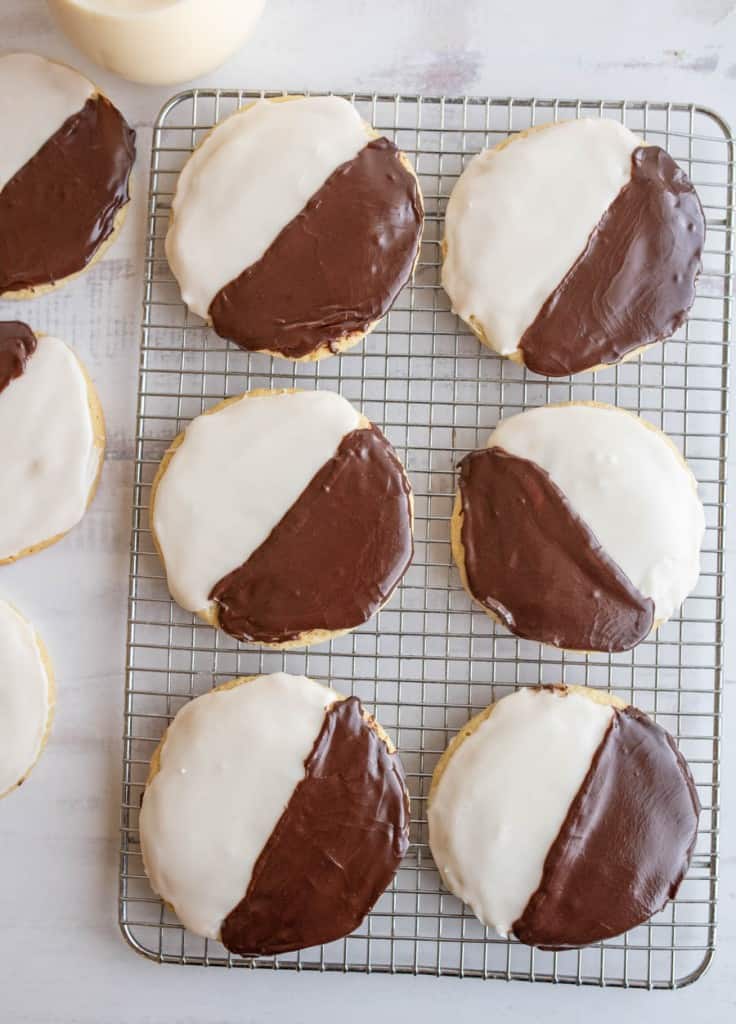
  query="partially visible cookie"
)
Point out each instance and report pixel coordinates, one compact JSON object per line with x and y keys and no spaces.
{"x":572,"y":246}
{"x":65,"y":166}
{"x":52,"y":434}
{"x":562,"y":816}
{"x":294,"y":227}
{"x":26,"y":698}
{"x":275,"y":814}
{"x":282,"y":517}
{"x":578,"y":525}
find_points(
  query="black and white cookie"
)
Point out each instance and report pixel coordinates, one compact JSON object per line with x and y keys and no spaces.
{"x":578,"y":525}
{"x":52,"y":435}
{"x":572,"y":246}
{"x":26,"y":698}
{"x":274,"y":816}
{"x":65,"y":166}
{"x":294,"y":227}
{"x":562,"y":816}
{"x":283,"y":517}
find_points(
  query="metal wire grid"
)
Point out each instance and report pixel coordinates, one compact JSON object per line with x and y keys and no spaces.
{"x":429,"y":661}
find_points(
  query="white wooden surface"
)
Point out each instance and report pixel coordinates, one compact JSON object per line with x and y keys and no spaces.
{"x":61,"y":956}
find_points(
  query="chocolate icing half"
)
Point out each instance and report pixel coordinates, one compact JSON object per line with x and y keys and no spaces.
{"x":17,"y":345}
{"x":625,"y":844}
{"x":533,"y":562}
{"x":335,"y":848}
{"x":336,"y":267}
{"x":61,"y":205}
{"x":335,"y":556}
{"x":635,"y":281}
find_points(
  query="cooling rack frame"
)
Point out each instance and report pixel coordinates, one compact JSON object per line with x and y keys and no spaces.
{"x":429,"y":661}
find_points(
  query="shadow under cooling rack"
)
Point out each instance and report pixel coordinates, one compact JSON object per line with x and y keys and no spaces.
{"x":429,"y":661}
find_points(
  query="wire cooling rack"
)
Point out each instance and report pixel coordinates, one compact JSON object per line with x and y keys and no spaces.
{"x":429,"y":661}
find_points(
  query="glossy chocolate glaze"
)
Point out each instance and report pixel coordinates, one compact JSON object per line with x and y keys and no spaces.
{"x":535,"y":564}
{"x":335,"y":848}
{"x":625,"y":844}
{"x":61,"y":205}
{"x":635,"y":281}
{"x":336,"y":267}
{"x":336,"y":555}
{"x":17,"y":345}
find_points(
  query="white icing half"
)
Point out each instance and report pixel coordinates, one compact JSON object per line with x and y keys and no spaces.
{"x":250,"y":177}
{"x":627,"y":483}
{"x":519,"y":217}
{"x":234,"y":477}
{"x":504,"y":795}
{"x":229,"y":765}
{"x":36,"y":98}
{"x":50,"y":460}
{"x":24,"y":697}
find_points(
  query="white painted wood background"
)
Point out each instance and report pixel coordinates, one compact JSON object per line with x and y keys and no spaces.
{"x":61,"y":956}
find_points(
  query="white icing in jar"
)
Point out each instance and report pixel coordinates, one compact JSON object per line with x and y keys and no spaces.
{"x":158,"y":42}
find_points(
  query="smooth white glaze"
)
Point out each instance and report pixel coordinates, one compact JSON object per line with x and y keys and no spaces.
{"x":50,"y":460}
{"x":504,"y":795}
{"x":24,"y":697}
{"x":36,"y":98}
{"x":234,"y":477}
{"x":158,"y":41}
{"x":629,"y":486}
{"x":250,"y":177}
{"x":229,"y":765}
{"x":519,"y":217}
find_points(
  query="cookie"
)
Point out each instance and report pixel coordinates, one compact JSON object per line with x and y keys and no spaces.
{"x":52,"y":434}
{"x":26,"y":698}
{"x":282,"y":517}
{"x":579,"y":525}
{"x":65,"y":167}
{"x":294,"y":227}
{"x":562,"y":816}
{"x":572,"y":246}
{"x":274,"y":816}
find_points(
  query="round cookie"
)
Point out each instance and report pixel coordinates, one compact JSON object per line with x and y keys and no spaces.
{"x":579,"y":525}
{"x":294,"y":227}
{"x":275,"y":814}
{"x":282,"y":517}
{"x":572,"y":246}
{"x":52,"y":434}
{"x":562,"y":816}
{"x":65,"y":171}
{"x":26,"y":698}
